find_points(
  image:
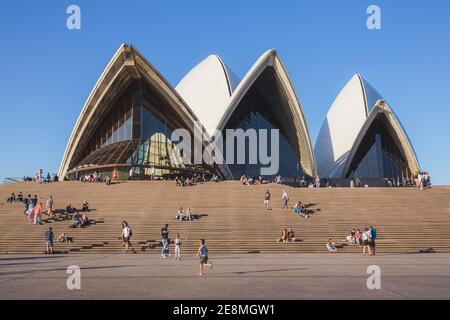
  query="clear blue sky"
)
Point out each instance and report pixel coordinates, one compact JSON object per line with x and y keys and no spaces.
{"x":48,"y":71}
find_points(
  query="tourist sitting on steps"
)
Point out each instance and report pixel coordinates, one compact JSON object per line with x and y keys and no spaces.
{"x":70,"y":209}
{"x":291,"y":235}
{"x":180,"y":214}
{"x":189,"y":214}
{"x":300,"y":210}
{"x":76,"y":221}
{"x":358,"y":235}
{"x":84,"y":221}
{"x":12,"y":198}
{"x":331,"y":247}
{"x":85,"y":206}
{"x":63,"y":238}
{"x":351,"y":236}
{"x":284,"y":236}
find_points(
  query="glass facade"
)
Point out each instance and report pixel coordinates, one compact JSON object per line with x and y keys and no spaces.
{"x":115,"y":127}
{"x":135,"y":133}
{"x":379,"y":156}
{"x":264,"y":107}
{"x":156,"y":148}
{"x":288,"y":163}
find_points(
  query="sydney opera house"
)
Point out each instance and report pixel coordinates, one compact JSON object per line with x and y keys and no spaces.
{"x":131,"y":113}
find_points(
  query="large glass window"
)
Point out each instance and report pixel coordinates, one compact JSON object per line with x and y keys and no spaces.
{"x":379,"y":156}
{"x":156,"y":149}
{"x":265,"y":107}
{"x":288,"y":162}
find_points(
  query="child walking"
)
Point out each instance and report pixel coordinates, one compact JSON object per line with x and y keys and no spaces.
{"x":203,"y":254}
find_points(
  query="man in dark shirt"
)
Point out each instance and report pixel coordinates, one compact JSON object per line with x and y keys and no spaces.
{"x":165,"y":241}
{"x":49,"y":241}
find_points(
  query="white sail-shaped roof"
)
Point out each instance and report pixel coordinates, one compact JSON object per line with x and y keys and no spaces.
{"x":343,"y":122}
{"x":207,"y":89}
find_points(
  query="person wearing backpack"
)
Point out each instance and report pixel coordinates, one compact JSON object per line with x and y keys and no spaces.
{"x":373,"y":234}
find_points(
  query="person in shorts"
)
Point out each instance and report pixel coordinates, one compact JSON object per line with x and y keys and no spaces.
{"x":49,"y":241}
{"x":126,"y":236}
{"x":366,"y":239}
{"x":203,"y":254}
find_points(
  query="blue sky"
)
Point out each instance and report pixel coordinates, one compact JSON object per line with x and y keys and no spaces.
{"x":48,"y":71}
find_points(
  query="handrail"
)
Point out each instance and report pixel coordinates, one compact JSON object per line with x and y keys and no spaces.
{"x":11,"y":179}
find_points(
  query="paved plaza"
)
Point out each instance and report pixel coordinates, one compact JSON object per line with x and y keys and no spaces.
{"x":234,"y":276}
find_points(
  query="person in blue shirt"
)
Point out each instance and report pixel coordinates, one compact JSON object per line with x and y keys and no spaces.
{"x":203,"y":254}
{"x":373,"y":233}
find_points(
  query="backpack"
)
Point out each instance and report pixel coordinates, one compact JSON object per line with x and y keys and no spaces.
{"x":373,"y":233}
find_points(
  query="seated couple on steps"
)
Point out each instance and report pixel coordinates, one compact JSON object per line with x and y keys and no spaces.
{"x":300,"y":210}
{"x":184,"y":216}
{"x":287,"y":235}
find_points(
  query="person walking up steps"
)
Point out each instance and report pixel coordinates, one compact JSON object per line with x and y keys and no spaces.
{"x":203,"y":254}
{"x":267,"y":199}
{"x":178,"y":244}
{"x":373,"y":236}
{"x":49,"y":205}
{"x":284,"y":200}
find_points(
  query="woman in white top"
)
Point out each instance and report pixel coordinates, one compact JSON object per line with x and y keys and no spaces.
{"x":126,"y":235}
{"x":366,"y":237}
{"x":284,"y":200}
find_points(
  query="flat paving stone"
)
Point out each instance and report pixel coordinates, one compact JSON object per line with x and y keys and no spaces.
{"x":234,"y":276}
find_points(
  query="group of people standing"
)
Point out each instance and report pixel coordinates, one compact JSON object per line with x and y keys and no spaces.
{"x":40,"y":178}
{"x":34,"y":209}
{"x":365,"y":238}
{"x":423,"y":180}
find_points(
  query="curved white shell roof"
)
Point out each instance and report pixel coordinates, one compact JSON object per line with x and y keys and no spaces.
{"x":342,"y":125}
{"x":207,"y":89}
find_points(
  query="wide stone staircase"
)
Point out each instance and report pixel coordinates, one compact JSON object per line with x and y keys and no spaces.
{"x":230,"y":216}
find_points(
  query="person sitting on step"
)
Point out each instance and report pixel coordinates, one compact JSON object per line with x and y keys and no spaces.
{"x":63,"y":238}
{"x":180,"y":214}
{"x":291,"y":235}
{"x":331,"y":247}
{"x":76,"y":221}
{"x":84,"y":220}
{"x":189,"y":215}
{"x":284,"y":236}
{"x":70,"y":209}
{"x":12,"y":198}
{"x":351,"y":236}
{"x":85,"y":206}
